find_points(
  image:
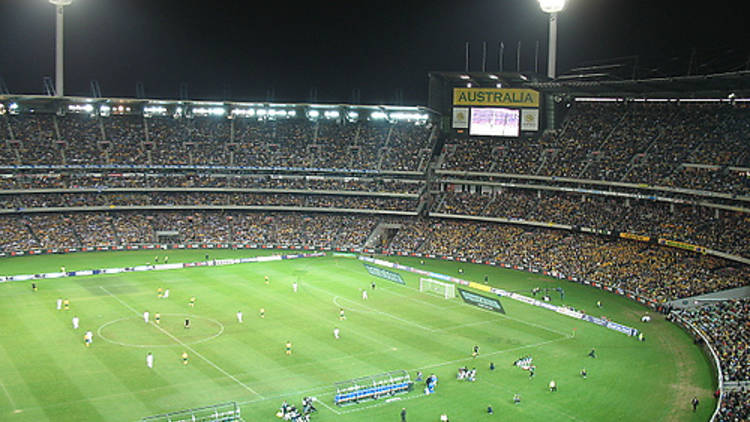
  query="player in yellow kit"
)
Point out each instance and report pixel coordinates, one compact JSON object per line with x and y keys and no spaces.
{"x":288,"y":348}
{"x":159,"y":292}
{"x":262,"y":312}
{"x":192,"y":302}
{"x":184,"y":358}
{"x":157,"y":318}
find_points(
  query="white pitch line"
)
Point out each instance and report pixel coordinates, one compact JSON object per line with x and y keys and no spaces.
{"x":372,"y":309}
{"x":497,"y":352}
{"x":470,"y":324}
{"x":7,"y":394}
{"x":168,"y":334}
{"x":328,"y":407}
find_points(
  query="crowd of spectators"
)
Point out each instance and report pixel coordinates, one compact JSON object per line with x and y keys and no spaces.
{"x":735,"y":406}
{"x":76,"y":180}
{"x":727,"y":326}
{"x":712,"y":228}
{"x":169,"y":198}
{"x":632,"y":142}
{"x":296,"y":142}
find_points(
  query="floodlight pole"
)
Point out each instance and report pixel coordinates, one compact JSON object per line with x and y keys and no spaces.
{"x":59,"y":76}
{"x":552,"y":53}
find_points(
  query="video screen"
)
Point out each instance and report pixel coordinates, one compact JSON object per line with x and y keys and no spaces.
{"x":495,"y":122}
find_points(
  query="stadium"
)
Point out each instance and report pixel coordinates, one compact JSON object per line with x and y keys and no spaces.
{"x":522,"y":246}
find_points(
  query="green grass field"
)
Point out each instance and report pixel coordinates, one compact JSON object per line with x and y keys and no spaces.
{"x":47,"y":374}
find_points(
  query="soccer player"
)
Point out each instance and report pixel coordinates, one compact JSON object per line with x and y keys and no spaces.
{"x":239,"y":317}
{"x":489,"y":409}
{"x":598,"y":303}
{"x":262,"y":312}
{"x":159,"y":292}
{"x":33,"y":287}
{"x":166,"y":294}
{"x":403,"y":414}
{"x":294,"y":286}
{"x":552,"y":385}
{"x":517,"y":398}
{"x":187,"y":322}
{"x":492,"y":366}
{"x":166,"y":259}
{"x":157,"y":318}
{"x":145,"y":316}
{"x":336,"y":333}
{"x":288,"y":348}
{"x":184,"y":358}
{"x":372,"y":285}
{"x":584,"y":373}
{"x":149,"y":360}
{"x":66,"y":304}
{"x":592,"y":353}
{"x":342,"y":316}
{"x":192,"y":302}
{"x":475,"y":351}
{"x":75,"y":322}
{"x":532,"y":371}
{"x":88,"y":338}
{"x":364,"y":294}
{"x":265,"y":278}
{"x":59,"y":304}
{"x":156,"y":259}
{"x":695,"y":402}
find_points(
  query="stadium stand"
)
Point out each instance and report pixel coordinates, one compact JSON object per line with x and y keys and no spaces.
{"x":681,"y":171}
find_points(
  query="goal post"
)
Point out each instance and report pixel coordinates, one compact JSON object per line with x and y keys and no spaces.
{"x":446,"y":290}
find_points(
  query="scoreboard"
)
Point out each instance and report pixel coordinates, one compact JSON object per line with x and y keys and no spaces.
{"x":502,"y":112}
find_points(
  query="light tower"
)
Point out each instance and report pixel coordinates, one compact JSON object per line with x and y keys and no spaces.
{"x":553,"y":7}
{"x":59,"y":5}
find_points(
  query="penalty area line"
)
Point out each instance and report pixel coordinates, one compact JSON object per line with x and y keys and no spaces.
{"x":178,"y":341}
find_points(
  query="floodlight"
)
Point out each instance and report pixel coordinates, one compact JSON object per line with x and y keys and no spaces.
{"x":552,"y":6}
{"x":313,"y":114}
{"x":61,"y":2}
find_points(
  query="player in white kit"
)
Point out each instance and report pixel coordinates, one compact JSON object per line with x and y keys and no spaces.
{"x":145,"y":317}
{"x":75,"y":322}
{"x":239,"y":317}
{"x":150,"y":360}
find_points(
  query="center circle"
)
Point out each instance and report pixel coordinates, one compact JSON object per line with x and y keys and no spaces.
{"x":135,"y":332}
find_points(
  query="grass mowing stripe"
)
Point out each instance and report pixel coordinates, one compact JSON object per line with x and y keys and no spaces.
{"x":178,"y":341}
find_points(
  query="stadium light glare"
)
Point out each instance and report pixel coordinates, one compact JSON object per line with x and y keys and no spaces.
{"x":378,"y":115}
{"x":331,"y":114}
{"x":2,"y":109}
{"x":313,"y":114}
{"x":552,"y":6}
{"x":495,"y":77}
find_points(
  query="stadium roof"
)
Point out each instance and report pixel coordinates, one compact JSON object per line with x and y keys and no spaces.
{"x":602,"y":83}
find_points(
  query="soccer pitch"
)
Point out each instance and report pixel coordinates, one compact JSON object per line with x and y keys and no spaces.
{"x":47,"y":374}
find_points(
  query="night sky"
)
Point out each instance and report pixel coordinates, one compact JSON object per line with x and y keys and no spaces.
{"x":240,"y":50}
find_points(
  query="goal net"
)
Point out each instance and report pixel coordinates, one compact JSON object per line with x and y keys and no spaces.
{"x":446,"y":290}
